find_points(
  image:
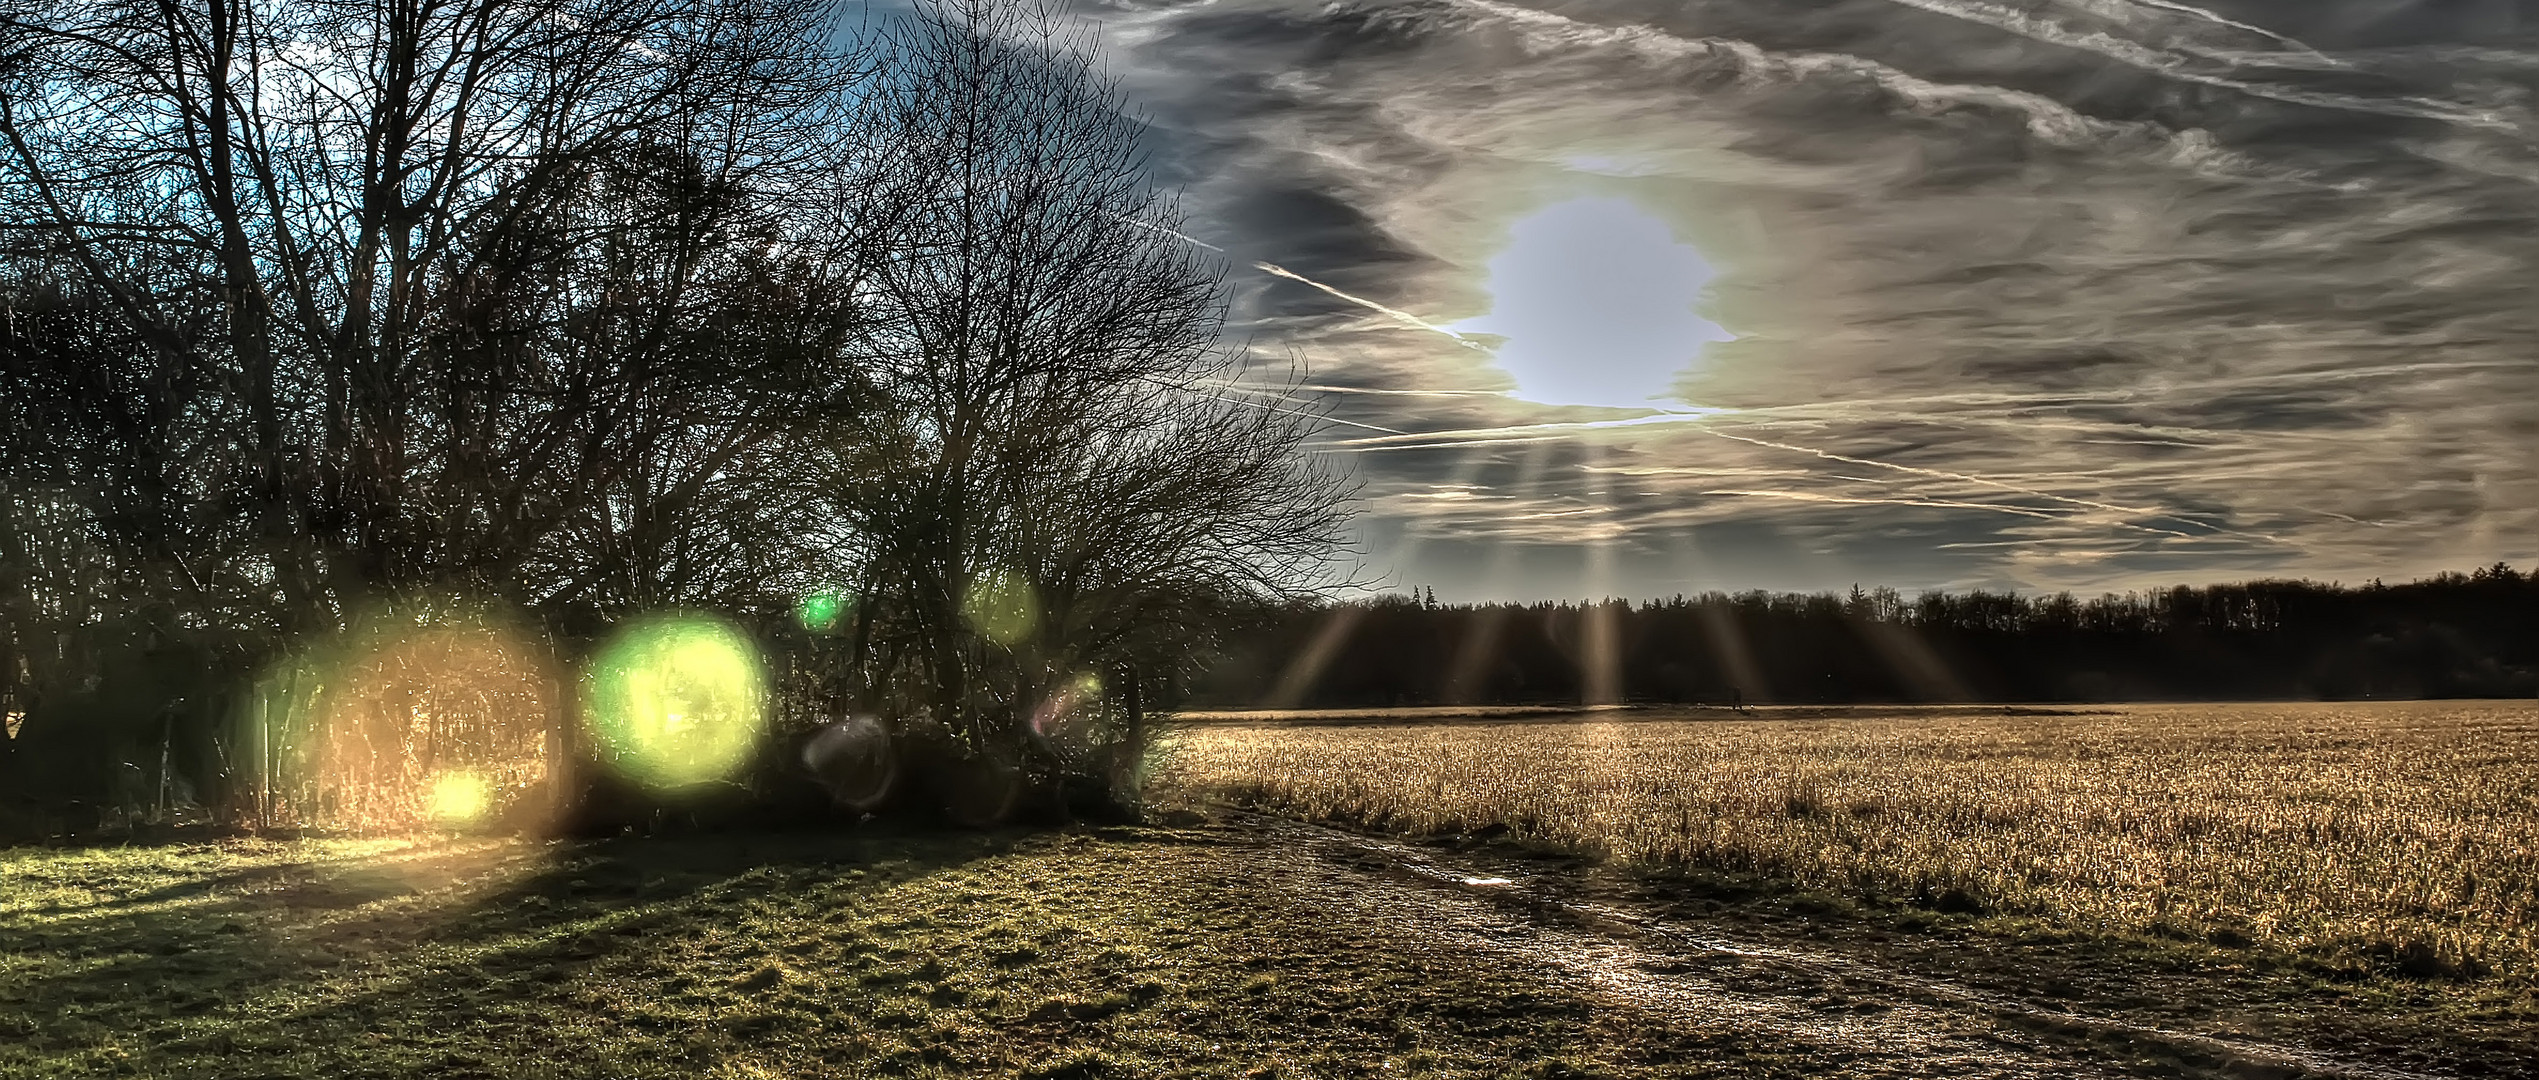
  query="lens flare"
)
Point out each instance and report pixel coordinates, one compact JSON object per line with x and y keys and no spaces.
{"x":853,"y":759}
{"x":458,"y":800}
{"x":1001,"y":607}
{"x":1072,"y":702}
{"x":677,"y":701}
{"x":820,"y":611}
{"x":365,"y":732}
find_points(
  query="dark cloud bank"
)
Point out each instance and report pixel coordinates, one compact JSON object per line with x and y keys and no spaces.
{"x":2084,"y":293}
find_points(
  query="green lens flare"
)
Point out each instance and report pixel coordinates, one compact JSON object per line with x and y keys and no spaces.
{"x":677,"y":701}
{"x":1001,"y":607}
{"x":821,"y":610}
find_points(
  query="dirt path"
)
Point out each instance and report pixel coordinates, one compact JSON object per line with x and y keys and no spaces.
{"x":1242,"y":946}
{"x":1853,"y":1017}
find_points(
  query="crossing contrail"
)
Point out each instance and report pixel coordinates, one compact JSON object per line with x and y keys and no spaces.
{"x":2001,"y":485}
{"x":1397,"y":314}
{"x":1275,"y":270}
{"x":2022,"y":511}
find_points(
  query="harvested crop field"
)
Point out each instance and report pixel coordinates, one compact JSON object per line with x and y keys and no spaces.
{"x":1231,"y":945}
{"x":2402,"y":836}
{"x":1225,"y":942}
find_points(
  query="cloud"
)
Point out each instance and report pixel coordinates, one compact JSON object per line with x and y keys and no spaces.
{"x":2075,"y":294}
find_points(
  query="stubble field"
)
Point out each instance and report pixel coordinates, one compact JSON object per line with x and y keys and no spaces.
{"x":2397,"y":836}
{"x":2240,"y":892}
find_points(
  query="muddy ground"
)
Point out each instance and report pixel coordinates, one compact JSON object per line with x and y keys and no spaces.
{"x":1219,"y":945}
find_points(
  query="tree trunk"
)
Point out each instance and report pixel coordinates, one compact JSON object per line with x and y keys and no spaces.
{"x":1129,"y":764}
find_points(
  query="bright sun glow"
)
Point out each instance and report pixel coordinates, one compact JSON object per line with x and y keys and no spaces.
{"x":458,"y":799}
{"x":678,"y":701}
{"x":1595,"y":300}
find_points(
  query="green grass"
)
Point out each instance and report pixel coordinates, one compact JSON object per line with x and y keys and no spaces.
{"x":1132,"y":952}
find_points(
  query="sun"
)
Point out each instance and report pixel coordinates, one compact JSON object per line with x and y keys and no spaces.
{"x":1593,"y":299}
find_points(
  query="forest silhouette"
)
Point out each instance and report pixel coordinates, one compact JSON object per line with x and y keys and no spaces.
{"x":2453,"y":635}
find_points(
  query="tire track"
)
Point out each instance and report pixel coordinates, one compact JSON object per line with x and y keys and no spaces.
{"x":1863,"y":1018}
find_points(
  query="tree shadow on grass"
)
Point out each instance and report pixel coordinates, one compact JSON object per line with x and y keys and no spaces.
{"x":224,"y":965}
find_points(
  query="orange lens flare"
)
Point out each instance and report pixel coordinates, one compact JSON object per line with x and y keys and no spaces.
{"x":437,"y":726}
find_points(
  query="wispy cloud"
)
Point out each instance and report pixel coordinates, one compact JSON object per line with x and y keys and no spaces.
{"x":2088,"y":293}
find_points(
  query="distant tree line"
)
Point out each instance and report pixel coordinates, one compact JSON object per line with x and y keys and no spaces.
{"x":2452,"y":635}
{"x":319,"y":315}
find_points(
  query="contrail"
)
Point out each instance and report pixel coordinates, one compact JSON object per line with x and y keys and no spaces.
{"x":1886,"y":406}
{"x":1809,"y":496}
{"x":2015,"y":488}
{"x":2344,"y":517}
{"x":1528,"y":432}
{"x":1278,"y":393}
{"x":1939,"y":474}
{"x":1276,"y":270}
{"x":1520,"y":430}
{"x":1853,"y":500}
{"x":1174,"y":233}
{"x":2033,"y":541}
{"x":1396,"y":314}
{"x":2160,"y":62}
{"x":1395,"y":439}
{"x":1399,"y":393}
{"x":1298,"y":413}
{"x":1325,"y":388}
{"x":2221,"y":20}
{"x":1349,"y":446}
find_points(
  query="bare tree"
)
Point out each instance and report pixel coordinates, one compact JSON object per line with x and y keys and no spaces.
{"x":445,"y":258}
{"x":1054,"y":435}
{"x":588,"y":307}
{"x":312,"y":305}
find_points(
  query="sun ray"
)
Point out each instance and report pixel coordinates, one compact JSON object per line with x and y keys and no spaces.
{"x":1723,"y":639}
{"x":1303,"y":673}
{"x":1468,"y":679}
{"x":1600,"y":645}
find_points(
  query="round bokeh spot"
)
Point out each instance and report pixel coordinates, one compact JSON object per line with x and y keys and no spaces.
{"x":675,"y":701}
{"x":821,"y":610}
{"x":1001,"y":607}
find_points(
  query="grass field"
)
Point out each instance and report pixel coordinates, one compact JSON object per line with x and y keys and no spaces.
{"x":1874,"y":896}
{"x":2400,"y":835}
{"x":1123,"y":952}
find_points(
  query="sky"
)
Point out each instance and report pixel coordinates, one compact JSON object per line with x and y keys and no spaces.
{"x":1638,"y":297}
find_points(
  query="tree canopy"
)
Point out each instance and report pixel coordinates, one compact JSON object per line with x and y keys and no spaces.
{"x":318,"y":317}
